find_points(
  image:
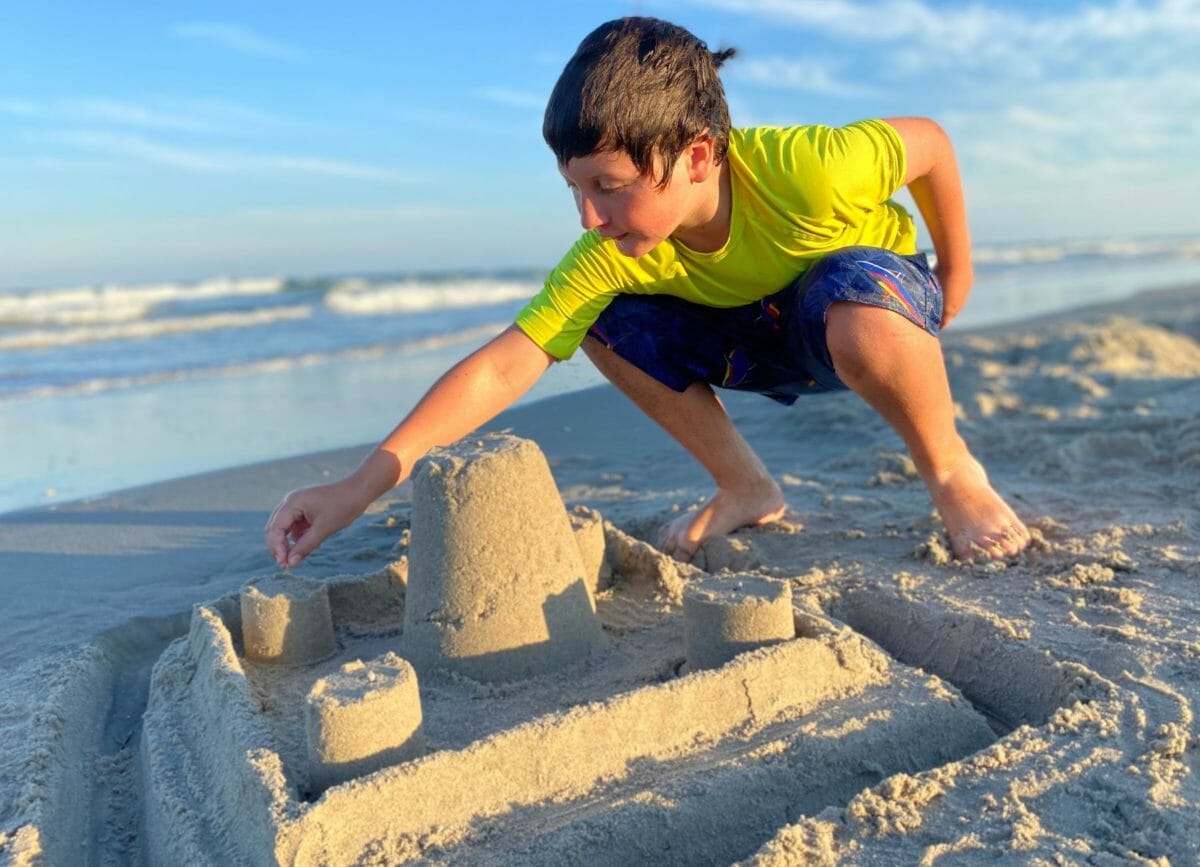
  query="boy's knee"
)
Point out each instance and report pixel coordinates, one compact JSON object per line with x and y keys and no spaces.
{"x":858,"y":336}
{"x":847,"y":327}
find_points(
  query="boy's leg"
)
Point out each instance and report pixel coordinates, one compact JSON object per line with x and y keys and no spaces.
{"x":897,"y":367}
{"x":861,"y":318}
{"x":746,"y":494}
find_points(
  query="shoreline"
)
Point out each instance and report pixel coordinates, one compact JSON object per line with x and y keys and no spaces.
{"x":557,"y":383}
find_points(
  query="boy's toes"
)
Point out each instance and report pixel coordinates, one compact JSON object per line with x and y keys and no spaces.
{"x":1015,"y":538}
{"x":673,"y":541}
{"x":1008,"y":542}
{"x":982,"y":551}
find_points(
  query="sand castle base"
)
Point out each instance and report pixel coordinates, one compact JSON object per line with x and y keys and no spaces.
{"x":559,"y":744}
{"x":617,"y":761}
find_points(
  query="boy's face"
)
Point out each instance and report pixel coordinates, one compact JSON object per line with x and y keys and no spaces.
{"x":620,"y":203}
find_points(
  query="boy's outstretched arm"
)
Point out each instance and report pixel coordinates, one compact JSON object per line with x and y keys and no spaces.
{"x":469,"y":394}
{"x":936,"y":187}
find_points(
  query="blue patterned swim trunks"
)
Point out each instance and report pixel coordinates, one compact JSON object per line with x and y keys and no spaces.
{"x":775,"y":346}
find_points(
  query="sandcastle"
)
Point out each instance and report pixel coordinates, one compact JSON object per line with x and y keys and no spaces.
{"x":528,"y":677}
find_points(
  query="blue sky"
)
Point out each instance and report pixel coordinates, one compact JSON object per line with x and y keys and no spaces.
{"x":152,"y":141}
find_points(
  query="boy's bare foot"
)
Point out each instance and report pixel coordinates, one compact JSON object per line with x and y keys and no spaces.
{"x":980,"y":524}
{"x":724,"y":513}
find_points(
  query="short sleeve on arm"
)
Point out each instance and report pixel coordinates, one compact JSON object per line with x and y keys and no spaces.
{"x":572,"y":298}
{"x":883,"y":149}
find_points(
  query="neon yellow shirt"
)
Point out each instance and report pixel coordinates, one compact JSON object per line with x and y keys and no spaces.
{"x":798,"y":193}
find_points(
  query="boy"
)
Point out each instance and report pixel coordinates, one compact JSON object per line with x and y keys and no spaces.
{"x":770,"y":260}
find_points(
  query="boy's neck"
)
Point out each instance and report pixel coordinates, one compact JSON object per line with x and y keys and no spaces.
{"x":708,"y":231}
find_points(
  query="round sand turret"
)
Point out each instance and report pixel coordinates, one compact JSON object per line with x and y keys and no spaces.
{"x":287,"y":620}
{"x":364,"y":717}
{"x":729,"y":615}
{"x":497,"y":588}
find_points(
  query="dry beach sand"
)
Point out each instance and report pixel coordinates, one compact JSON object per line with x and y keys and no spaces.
{"x":915,"y":711}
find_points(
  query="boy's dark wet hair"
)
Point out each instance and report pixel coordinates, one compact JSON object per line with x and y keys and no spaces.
{"x":642,"y":86}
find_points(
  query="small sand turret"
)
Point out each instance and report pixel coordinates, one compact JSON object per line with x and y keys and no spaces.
{"x":364,"y":717}
{"x":497,"y":587}
{"x":727,"y":616}
{"x":287,"y":620}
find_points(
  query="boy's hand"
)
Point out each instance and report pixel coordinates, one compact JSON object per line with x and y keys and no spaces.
{"x":469,"y":394}
{"x":933,"y":179}
{"x":306,"y":518}
{"x":956,"y":286}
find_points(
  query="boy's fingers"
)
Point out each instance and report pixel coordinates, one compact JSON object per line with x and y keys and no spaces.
{"x":277,"y":544}
{"x":305,"y":545}
{"x":280,"y":524}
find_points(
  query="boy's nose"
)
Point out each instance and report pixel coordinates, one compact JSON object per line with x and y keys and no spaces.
{"x":589,"y":217}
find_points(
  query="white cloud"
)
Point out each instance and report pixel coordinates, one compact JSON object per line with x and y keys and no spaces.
{"x":192,"y":159}
{"x":331,"y":168}
{"x":890,"y":21}
{"x":122,"y":113}
{"x":57,"y":164}
{"x":512,"y":98}
{"x":1036,"y":98}
{"x":1037,"y":121}
{"x":1067,"y":117}
{"x":205,"y":116}
{"x":808,"y":76}
{"x":141,"y":149}
{"x":19,"y":107}
{"x":370,"y":216}
{"x":976,"y":36}
{"x":236,"y":38}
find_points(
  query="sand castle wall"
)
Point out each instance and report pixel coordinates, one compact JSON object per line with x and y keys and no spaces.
{"x":590,"y":538}
{"x":693,"y":810}
{"x":56,"y":797}
{"x":242,"y":782}
{"x":569,"y":752}
{"x":1010,"y":681}
{"x":497,"y":588}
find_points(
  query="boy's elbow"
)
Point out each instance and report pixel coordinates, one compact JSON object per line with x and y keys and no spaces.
{"x":927,"y":145}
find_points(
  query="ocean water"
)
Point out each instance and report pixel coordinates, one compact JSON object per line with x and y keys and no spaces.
{"x":104,"y":387}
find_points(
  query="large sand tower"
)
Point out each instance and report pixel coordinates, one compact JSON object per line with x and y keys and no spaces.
{"x":497,"y":588}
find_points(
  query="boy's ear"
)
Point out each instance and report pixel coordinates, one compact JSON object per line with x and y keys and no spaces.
{"x":701,"y":158}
